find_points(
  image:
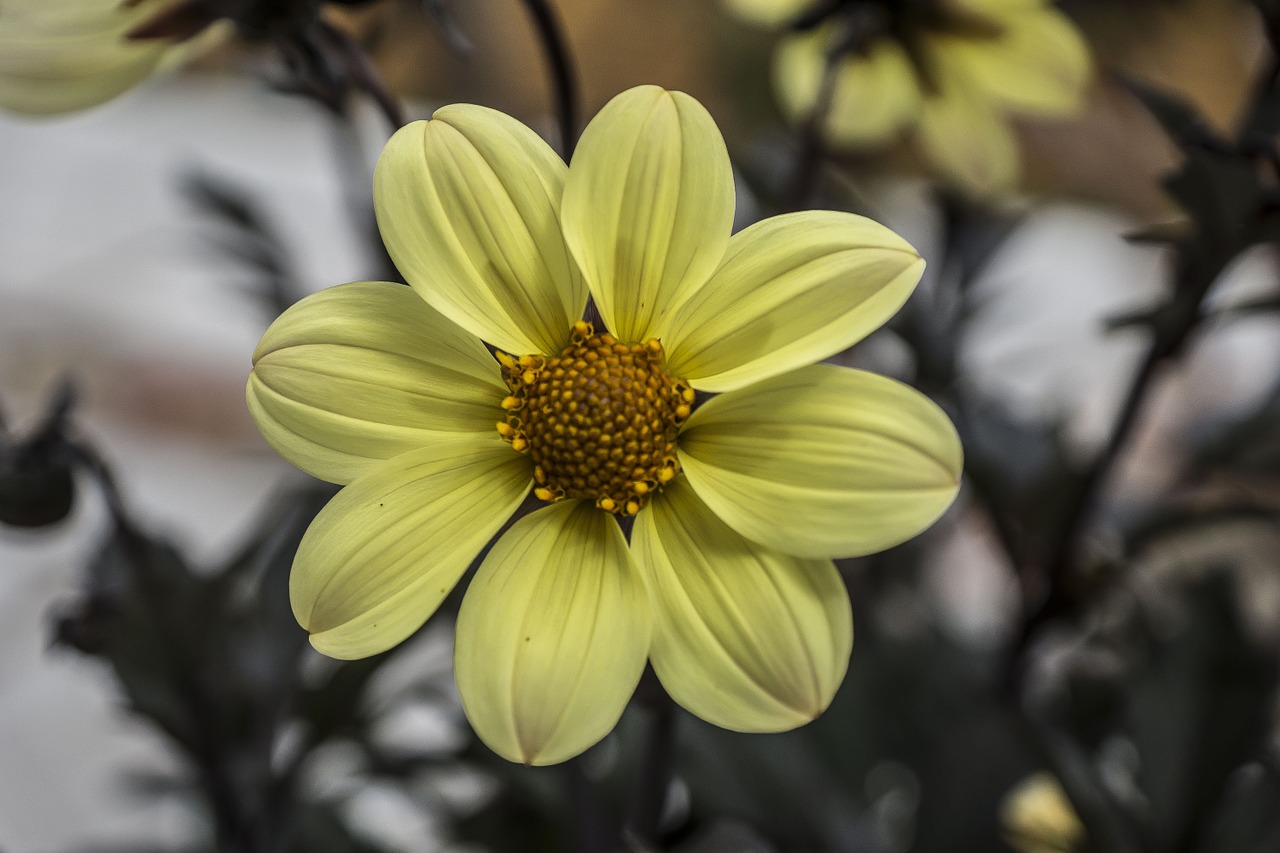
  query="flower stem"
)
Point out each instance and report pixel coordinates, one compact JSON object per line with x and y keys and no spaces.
{"x":363,"y":72}
{"x":657,"y":766}
{"x":588,"y":827}
{"x":560,"y":68}
{"x":1170,"y":338}
{"x":804,"y":181}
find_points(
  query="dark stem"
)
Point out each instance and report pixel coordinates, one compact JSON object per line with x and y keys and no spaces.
{"x":353,"y":180}
{"x":657,"y":766}
{"x":231,"y":827}
{"x":1269,"y":78}
{"x":588,"y":826}
{"x":560,"y":67}
{"x":1170,"y":338}
{"x":363,"y":72}
{"x":1064,"y":554}
{"x":84,"y":455}
{"x":1200,"y":262}
{"x":804,"y":181}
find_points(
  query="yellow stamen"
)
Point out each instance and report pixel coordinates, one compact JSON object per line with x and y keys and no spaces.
{"x":599,"y":420}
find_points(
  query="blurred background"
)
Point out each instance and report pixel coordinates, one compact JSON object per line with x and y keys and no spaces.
{"x":146,"y":243}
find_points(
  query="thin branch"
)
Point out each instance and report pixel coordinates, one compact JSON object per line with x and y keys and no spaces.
{"x":1202,"y":256}
{"x":589,"y":832}
{"x":804,"y":180}
{"x":656,"y":768}
{"x":363,"y":72}
{"x":1169,"y":339}
{"x":561,"y":70}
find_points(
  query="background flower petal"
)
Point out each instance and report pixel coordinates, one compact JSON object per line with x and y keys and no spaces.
{"x":362,"y":372}
{"x":383,"y":554}
{"x":469,"y":208}
{"x":648,"y":207}
{"x":1039,"y":64}
{"x":824,"y":461}
{"x":876,"y":94}
{"x":745,"y":637}
{"x":553,"y":635}
{"x":60,"y":56}
{"x":768,"y":13}
{"x":996,"y":8}
{"x":968,"y":142}
{"x":793,"y":289}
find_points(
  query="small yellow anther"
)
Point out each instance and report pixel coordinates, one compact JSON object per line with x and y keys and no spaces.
{"x":510,"y":403}
{"x":505,"y":429}
{"x":682,"y":411}
{"x":640,"y":487}
{"x":529,"y":377}
{"x":519,"y":444}
{"x":544,"y":494}
{"x":632,"y":507}
{"x":666,"y":475}
{"x":607,"y":504}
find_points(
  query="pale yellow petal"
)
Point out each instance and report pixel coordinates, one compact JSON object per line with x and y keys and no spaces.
{"x":648,"y":207}
{"x":468,"y":204}
{"x":363,"y":372}
{"x":968,"y":143}
{"x":824,"y":461}
{"x":62,"y":56}
{"x":382,"y":555}
{"x":793,"y":289}
{"x":552,"y":635}
{"x":1000,"y":8}
{"x":1038,"y":65}
{"x":745,"y":637}
{"x":768,"y":13}
{"x":875,"y":94}
{"x":78,"y":15}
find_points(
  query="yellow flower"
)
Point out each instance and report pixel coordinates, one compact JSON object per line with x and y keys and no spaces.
{"x":738,"y":505}
{"x":982,"y":62}
{"x":1038,"y":818}
{"x":62,"y":55}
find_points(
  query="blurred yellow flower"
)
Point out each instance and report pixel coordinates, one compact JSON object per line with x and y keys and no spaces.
{"x":738,"y":505}
{"x":1037,"y":817}
{"x":973,"y":64}
{"x":62,"y":55}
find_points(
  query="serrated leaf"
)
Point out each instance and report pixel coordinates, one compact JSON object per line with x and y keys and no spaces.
{"x":1180,"y":120}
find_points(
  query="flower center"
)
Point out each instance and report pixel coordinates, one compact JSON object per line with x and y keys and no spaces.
{"x":599,"y":420}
